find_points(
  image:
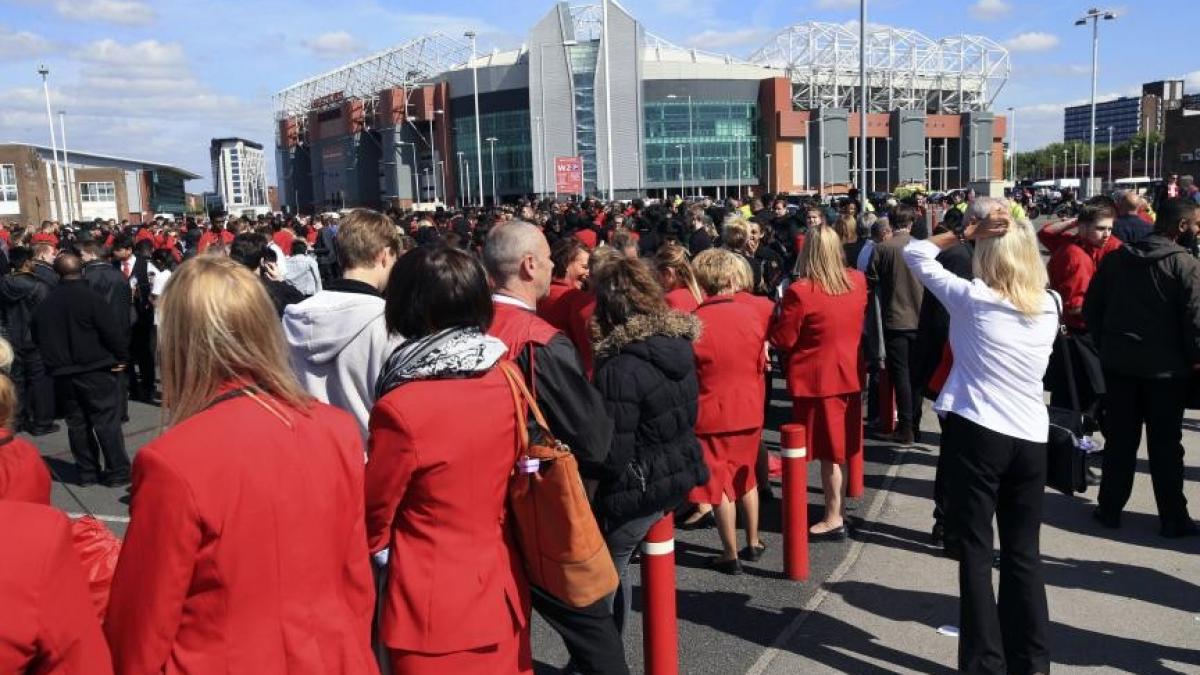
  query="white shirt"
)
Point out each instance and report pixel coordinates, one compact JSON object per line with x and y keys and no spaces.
{"x":509,"y":300}
{"x":160,"y":277}
{"x":1000,"y":355}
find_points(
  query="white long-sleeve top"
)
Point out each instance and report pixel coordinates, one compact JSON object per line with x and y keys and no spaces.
{"x":1000,"y":354}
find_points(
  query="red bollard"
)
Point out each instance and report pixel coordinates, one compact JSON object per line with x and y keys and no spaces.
{"x":887,"y":403}
{"x":660,"y":628}
{"x":793,"y":443}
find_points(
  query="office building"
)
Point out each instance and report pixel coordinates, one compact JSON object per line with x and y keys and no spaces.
{"x":239,"y":171}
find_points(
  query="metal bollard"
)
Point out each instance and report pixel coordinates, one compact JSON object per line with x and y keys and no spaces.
{"x":660,"y":627}
{"x":887,"y":403}
{"x":794,"y":448}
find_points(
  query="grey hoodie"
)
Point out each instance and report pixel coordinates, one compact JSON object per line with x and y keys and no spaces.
{"x":338,"y":344}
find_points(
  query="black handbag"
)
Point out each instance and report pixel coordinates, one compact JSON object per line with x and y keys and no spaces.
{"x":1066,"y":460}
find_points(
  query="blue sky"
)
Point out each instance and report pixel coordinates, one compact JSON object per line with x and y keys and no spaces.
{"x":156,"y":79}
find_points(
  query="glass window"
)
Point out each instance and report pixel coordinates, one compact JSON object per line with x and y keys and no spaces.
{"x":8,"y":183}
{"x":719,"y":139}
{"x":98,"y":192}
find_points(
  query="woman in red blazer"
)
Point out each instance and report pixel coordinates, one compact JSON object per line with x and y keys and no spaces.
{"x":731,"y":363}
{"x":570,"y":258}
{"x":246,"y":550}
{"x":48,"y":624}
{"x":442,"y":445}
{"x":23,"y":473}
{"x":675,"y":273}
{"x":820,"y":329}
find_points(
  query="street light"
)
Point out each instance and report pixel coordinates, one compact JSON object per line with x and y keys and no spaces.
{"x":58,"y":171}
{"x":470,"y":35}
{"x":462,"y":180}
{"x":768,"y":172}
{"x":682,"y":194}
{"x":62,"y":127}
{"x":492,"y":146}
{"x":691,"y":133}
{"x":725,"y":179}
{"x":1094,"y":15}
{"x":433,"y":149}
{"x":1110,"y":132}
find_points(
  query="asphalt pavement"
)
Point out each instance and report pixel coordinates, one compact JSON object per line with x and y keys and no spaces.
{"x":1124,"y":601}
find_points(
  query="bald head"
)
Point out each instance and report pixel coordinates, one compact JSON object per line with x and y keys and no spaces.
{"x":68,"y":265}
{"x":517,"y":259}
{"x":508,"y":245}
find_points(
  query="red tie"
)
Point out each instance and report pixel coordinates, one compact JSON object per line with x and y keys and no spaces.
{"x":125,"y":269}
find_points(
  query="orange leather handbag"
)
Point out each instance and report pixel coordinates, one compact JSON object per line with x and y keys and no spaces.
{"x":556,"y":531}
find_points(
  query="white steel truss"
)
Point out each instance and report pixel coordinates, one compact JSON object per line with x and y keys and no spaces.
{"x":408,"y":65}
{"x":905,"y":69}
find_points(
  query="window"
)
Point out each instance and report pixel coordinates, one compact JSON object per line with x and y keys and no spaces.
{"x":98,"y":192}
{"x":8,"y":183}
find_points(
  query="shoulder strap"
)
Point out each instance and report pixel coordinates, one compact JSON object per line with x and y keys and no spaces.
{"x":522,"y":401}
{"x":1065,"y":347}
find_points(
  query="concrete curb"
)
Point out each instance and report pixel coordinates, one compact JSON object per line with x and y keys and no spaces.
{"x":763,"y":663}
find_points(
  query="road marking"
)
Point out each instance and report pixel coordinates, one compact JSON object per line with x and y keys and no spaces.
{"x":100,"y":516}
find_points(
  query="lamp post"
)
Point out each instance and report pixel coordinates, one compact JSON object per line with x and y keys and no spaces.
{"x":462,"y":180}
{"x":1110,"y":132}
{"x":425,"y":170}
{"x":1053,"y":164}
{"x":492,"y":149}
{"x":62,"y":128}
{"x":1064,"y":163}
{"x":57,"y":171}
{"x":470,"y":35}
{"x":738,"y":180}
{"x":768,"y":172}
{"x":725,"y":178}
{"x":691,"y":132}
{"x":433,"y":150}
{"x":1094,"y":15}
{"x":608,"y":98}
{"x":862,"y":108}
{"x":682,"y":194}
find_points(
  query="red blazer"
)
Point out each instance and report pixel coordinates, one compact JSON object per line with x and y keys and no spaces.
{"x":731,"y":362}
{"x":23,"y":473}
{"x":555,"y":308}
{"x":1071,"y":267}
{"x":821,"y":335}
{"x":441,"y":452}
{"x":579,"y":328}
{"x":283,"y":239}
{"x":764,"y":306}
{"x":246,"y":550}
{"x":682,"y":300}
{"x":48,"y":624}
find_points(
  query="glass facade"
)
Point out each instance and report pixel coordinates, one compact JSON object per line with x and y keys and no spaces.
{"x":583,"y":77}
{"x":1122,"y":114}
{"x":715,"y":135}
{"x":513,"y":146}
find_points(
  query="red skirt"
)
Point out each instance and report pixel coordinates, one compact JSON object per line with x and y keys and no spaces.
{"x":510,"y":656}
{"x":730,"y":458}
{"x":833,"y":424}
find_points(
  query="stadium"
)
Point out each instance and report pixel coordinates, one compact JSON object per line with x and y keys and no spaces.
{"x":596,"y":95}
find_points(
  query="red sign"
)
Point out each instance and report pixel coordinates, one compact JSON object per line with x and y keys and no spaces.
{"x":568,"y":175}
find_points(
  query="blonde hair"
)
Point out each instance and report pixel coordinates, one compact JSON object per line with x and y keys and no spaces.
{"x":720,"y":271}
{"x":735,"y":233}
{"x":846,"y":228}
{"x":1012,"y":266}
{"x":217,"y":325}
{"x":8,"y":402}
{"x":823,"y":261}
{"x":6,"y":356}
{"x":672,"y":256}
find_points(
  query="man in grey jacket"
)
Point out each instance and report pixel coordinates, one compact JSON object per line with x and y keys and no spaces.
{"x":337,"y":338}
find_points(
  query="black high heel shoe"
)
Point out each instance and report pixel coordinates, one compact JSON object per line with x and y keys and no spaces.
{"x":836,"y":534}
{"x":702,"y":523}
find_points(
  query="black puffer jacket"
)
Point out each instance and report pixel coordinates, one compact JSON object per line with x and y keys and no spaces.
{"x":646,"y":372}
{"x":1143,"y":309}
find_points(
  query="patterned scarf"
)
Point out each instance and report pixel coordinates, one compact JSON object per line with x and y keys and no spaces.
{"x":453,"y":352}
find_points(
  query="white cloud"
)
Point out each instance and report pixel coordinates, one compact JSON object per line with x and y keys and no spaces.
{"x":133,"y":12}
{"x":1191,"y":81}
{"x":333,"y":44}
{"x":21,"y":44}
{"x":1032,"y":42}
{"x":715,"y":40}
{"x":145,"y":54}
{"x":987,"y":10}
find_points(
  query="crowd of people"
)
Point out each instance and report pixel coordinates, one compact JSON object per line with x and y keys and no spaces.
{"x":330,"y":491}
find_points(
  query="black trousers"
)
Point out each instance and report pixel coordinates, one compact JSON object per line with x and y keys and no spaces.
{"x":997,"y":475}
{"x":589,"y":633}
{"x":899,"y":346}
{"x":141,"y":351}
{"x":93,"y":415}
{"x":35,"y":390}
{"x":1131,"y":402}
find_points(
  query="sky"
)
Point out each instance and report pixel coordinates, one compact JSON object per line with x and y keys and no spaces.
{"x":157,"y":79}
